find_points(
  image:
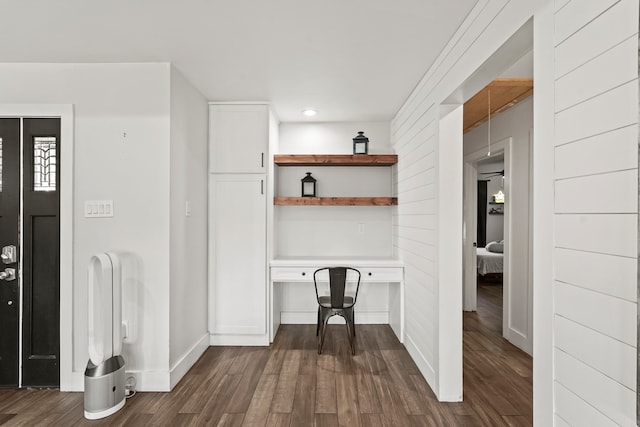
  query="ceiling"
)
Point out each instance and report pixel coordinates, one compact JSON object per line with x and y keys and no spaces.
{"x":352,"y":60}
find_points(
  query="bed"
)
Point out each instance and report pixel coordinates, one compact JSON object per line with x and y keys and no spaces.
{"x":489,"y":262}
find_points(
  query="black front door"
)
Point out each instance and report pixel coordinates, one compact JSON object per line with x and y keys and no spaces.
{"x":9,"y":219}
{"x":34,"y":229}
{"x":41,"y":253}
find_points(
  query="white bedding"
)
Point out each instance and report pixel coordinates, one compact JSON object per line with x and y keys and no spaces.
{"x":489,"y":262}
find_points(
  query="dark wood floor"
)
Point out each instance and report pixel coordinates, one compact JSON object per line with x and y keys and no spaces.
{"x":289,"y":384}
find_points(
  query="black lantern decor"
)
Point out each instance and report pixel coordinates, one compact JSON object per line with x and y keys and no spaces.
{"x":360,"y":144}
{"x":308,"y":186}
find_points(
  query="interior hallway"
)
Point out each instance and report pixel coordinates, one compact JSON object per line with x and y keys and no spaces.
{"x":289,"y":384}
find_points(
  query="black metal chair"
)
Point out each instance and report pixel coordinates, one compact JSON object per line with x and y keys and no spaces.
{"x":336,"y":303}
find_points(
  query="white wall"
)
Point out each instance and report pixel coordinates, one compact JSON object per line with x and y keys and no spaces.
{"x":332,"y":137}
{"x":522,"y":68}
{"x":515,"y":123}
{"x":591,"y":49}
{"x":188,"y":239}
{"x":415,"y":137}
{"x":122,"y":152}
{"x":333,"y":230}
{"x":596,"y":212}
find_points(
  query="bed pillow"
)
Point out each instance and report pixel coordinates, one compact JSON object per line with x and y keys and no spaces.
{"x":495,"y":247}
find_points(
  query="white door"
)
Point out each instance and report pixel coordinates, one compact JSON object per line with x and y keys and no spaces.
{"x":237,"y":243}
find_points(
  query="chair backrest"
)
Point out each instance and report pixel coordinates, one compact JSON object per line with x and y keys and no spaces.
{"x":337,"y":284}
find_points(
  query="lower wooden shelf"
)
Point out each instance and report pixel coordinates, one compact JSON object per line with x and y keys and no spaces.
{"x":336,"y":201}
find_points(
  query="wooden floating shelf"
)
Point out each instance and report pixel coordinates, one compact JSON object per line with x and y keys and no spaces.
{"x":335,"y":159}
{"x":335,"y":201}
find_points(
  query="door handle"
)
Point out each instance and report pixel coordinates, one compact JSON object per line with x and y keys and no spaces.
{"x":8,"y":274}
{"x":9,"y":254}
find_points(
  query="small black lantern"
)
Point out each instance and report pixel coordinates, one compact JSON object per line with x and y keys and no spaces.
{"x":360,"y":144}
{"x":308,"y":186}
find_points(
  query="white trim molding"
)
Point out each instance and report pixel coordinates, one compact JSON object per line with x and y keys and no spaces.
{"x":182,"y":366}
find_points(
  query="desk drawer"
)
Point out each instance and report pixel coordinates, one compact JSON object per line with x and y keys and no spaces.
{"x":381,"y":274}
{"x":292,"y":274}
{"x":305,"y":274}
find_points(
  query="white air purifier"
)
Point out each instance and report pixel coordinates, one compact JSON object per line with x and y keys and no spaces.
{"x":104,"y":377}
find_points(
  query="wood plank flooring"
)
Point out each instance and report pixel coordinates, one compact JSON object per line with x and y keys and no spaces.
{"x":289,"y":384}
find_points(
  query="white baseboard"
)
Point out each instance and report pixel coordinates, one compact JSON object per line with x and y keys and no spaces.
{"x":397,"y":329}
{"x":182,"y":366}
{"x":427,"y":370}
{"x":245,"y":340}
{"x":145,"y":381}
{"x":151,"y":380}
{"x":311,"y":317}
{"x":75,"y":382}
{"x":421,"y":362}
{"x":519,"y":340}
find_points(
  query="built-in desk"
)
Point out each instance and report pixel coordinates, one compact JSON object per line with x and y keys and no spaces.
{"x":372,"y":269}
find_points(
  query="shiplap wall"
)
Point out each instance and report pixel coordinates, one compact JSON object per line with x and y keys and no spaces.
{"x":596,"y":209}
{"x":416,"y":216}
{"x":419,"y":235}
{"x":586,"y":339}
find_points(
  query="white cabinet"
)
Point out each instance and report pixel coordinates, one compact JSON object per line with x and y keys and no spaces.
{"x":237,"y":259}
{"x":238,"y":138}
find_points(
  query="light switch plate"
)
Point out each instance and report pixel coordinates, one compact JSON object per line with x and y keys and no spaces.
{"x":98,"y":208}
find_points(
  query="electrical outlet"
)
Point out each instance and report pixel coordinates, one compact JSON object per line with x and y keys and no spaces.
{"x":125,"y":329}
{"x":130,"y":384}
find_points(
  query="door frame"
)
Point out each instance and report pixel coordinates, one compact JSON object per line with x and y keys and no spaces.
{"x":66,"y":114}
{"x":469,"y":235}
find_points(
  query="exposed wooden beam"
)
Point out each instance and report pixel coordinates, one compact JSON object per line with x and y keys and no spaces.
{"x":505,"y":93}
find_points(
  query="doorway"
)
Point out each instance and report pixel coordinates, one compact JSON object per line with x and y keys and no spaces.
{"x":450,"y":297}
{"x":30,"y":240}
{"x":473,"y":174}
{"x":514,"y":127}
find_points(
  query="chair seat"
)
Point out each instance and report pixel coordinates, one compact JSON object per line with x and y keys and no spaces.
{"x":325,"y":301}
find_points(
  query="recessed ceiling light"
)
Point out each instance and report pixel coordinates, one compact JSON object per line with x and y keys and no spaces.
{"x":309,"y":112}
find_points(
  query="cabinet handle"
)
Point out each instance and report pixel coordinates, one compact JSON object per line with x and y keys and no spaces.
{"x":304,"y":274}
{"x":262,"y":186}
{"x":262,"y":160}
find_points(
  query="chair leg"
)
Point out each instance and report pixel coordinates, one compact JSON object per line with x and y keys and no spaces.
{"x":353,"y":321}
{"x":323,"y":330}
{"x":350,"y":333}
{"x":319,"y":329}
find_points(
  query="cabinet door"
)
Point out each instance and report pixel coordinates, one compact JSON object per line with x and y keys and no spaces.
{"x":238,"y":138}
{"x":237,"y":250}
